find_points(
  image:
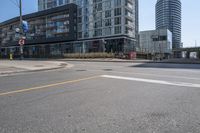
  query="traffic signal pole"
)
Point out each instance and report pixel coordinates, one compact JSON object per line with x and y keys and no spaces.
{"x":21,"y":30}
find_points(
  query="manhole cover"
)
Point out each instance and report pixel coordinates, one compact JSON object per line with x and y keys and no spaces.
{"x":81,"y":70}
{"x":38,"y":66}
{"x":63,"y":64}
{"x":107,"y":69}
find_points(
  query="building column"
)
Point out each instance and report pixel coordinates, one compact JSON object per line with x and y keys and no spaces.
{"x":83,"y":47}
{"x":188,"y":55}
{"x":198,"y":54}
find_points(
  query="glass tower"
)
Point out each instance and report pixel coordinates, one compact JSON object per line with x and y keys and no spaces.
{"x":168,"y":15}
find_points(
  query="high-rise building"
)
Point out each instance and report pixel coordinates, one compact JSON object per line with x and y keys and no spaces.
{"x":114,"y":21}
{"x":168,"y":15}
{"x":47,"y":4}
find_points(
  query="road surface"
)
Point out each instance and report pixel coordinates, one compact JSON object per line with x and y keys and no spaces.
{"x":103,"y":97}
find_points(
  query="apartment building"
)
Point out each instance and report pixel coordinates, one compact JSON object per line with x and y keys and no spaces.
{"x":102,"y":26}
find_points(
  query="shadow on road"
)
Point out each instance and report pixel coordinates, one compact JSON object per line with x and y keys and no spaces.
{"x":168,"y":65}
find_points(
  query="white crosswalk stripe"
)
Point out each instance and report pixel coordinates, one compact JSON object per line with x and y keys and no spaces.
{"x":182,"y":84}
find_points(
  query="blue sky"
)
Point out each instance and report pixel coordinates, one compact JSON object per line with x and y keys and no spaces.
{"x":190,"y":16}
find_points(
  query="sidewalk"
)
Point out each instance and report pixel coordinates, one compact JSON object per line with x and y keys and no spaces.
{"x":16,"y":66}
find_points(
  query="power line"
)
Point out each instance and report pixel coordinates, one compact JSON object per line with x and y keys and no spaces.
{"x":15,"y":2}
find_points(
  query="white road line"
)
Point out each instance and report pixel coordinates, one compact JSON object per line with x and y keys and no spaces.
{"x":182,"y":84}
{"x":147,"y":74}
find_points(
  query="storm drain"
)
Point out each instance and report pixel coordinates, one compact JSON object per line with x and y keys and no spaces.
{"x":38,"y":66}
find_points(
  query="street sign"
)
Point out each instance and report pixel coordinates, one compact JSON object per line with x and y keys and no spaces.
{"x":17,"y":30}
{"x":21,"y":42}
{"x":25,"y":26}
{"x":24,"y":38}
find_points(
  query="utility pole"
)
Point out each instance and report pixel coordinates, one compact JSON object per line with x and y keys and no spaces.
{"x":21,"y":30}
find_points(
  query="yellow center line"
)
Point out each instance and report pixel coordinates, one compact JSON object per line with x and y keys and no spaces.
{"x":47,"y":86}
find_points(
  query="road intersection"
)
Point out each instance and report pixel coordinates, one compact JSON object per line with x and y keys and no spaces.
{"x":96,"y":97}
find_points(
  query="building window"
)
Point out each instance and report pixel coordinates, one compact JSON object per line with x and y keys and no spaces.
{"x":79,"y":19}
{"x":117,"y":11}
{"x":11,"y":27}
{"x":98,"y":32}
{"x":117,"y":20}
{"x":97,"y":16}
{"x":66,"y":1}
{"x":51,"y":4}
{"x":86,"y":34}
{"x":107,"y":13}
{"x":60,"y":2}
{"x":163,"y":38}
{"x":108,"y":22}
{"x":98,"y":24}
{"x":117,"y":3}
{"x":117,"y":29}
{"x":96,"y":1}
{"x":79,"y":27}
{"x":79,"y":11}
{"x":107,"y":4}
{"x":79,"y":34}
{"x":98,"y":7}
{"x":108,"y":31}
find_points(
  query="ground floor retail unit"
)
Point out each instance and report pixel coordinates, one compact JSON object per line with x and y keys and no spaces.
{"x":109,"y":45}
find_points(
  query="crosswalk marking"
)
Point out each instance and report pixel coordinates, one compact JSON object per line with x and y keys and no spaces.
{"x":182,"y":84}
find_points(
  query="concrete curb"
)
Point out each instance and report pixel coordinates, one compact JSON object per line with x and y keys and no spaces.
{"x":61,"y":66}
{"x":180,"y":62}
{"x":126,"y":61}
{"x":120,"y":61}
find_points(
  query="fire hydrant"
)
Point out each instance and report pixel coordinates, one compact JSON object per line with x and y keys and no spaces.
{"x":11,"y":56}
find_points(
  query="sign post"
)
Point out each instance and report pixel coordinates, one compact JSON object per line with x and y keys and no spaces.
{"x":21,"y":43}
{"x":22,"y":30}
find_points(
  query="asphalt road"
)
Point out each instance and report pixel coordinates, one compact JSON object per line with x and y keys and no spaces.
{"x":103,"y":98}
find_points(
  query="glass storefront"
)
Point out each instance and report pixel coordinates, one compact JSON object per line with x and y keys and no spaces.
{"x":119,"y":45}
